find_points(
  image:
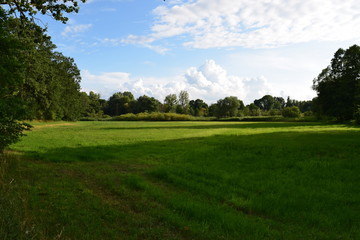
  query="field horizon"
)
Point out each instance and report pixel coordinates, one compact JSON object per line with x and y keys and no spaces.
{"x":182,"y":180}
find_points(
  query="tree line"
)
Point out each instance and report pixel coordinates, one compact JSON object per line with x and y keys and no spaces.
{"x":36,"y":81}
{"x":124,"y":102}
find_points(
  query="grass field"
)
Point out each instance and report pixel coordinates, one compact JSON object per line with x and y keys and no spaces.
{"x":182,"y":180}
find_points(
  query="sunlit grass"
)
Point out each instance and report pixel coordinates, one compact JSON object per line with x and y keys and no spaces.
{"x":186,"y":180}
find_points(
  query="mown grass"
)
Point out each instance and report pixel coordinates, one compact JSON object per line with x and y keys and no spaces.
{"x":182,"y":180}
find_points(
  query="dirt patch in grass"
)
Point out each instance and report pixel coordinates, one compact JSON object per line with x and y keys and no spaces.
{"x":53,"y":125}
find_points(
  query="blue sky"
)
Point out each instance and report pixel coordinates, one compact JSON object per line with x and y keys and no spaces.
{"x":210,"y":48}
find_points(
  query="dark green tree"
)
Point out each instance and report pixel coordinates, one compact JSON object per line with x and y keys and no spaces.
{"x":338,"y":85}
{"x":120,"y":103}
{"x":198,"y":108}
{"x":290,"y":102}
{"x":213,"y":109}
{"x":265,"y":103}
{"x":291,"y":112}
{"x":28,"y":63}
{"x":147,"y":104}
{"x":93,"y":105}
{"x":279,"y":103}
{"x":254,"y":110}
{"x":268,"y":102}
{"x":12,"y":75}
{"x":228,"y":107}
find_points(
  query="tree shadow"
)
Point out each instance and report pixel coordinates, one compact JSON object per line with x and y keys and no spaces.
{"x":177,"y":148}
{"x":276,"y":175}
{"x":251,"y":125}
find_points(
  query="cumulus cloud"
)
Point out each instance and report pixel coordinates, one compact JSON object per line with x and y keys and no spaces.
{"x":255,"y":24}
{"x":75,"y":29}
{"x":209,"y":82}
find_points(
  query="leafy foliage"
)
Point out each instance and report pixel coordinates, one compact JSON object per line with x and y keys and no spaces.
{"x":198,"y":108}
{"x":146,"y":104}
{"x":357,"y":116}
{"x":229,"y":106}
{"x":338,"y":85}
{"x":291,"y":112}
{"x":10,"y":132}
{"x":29,"y":8}
{"x":170,"y":103}
{"x":120,"y":103}
{"x":269,"y":102}
{"x":183,"y":107}
{"x":35,"y":80}
{"x":155,"y":116}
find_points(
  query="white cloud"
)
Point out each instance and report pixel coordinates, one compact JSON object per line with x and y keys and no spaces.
{"x":75,"y":29}
{"x":255,"y":24}
{"x":142,"y":41}
{"x":209,"y":82}
{"x":105,"y":83}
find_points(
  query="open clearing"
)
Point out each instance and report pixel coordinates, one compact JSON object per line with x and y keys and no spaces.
{"x":182,"y":180}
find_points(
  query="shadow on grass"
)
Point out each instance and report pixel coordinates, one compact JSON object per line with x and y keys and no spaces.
{"x":175,"y":149}
{"x":240,"y":125}
{"x":275,"y":176}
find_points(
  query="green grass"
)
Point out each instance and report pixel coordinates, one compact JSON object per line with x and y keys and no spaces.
{"x":182,"y":180}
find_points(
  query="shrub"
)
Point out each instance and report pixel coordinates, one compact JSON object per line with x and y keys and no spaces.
{"x":10,"y":132}
{"x":274,"y":112}
{"x":357,"y":116}
{"x":261,"y":119}
{"x":291,"y":112}
{"x":308,"y":114}
{"x":155,"y":116}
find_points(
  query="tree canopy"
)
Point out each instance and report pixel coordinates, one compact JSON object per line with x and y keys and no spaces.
{"x":338,"y":85}
{"x":27,"y":9}
{"x":35,"y":80}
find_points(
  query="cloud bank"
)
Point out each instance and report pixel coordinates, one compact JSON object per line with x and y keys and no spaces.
{"x":209,"y":82}
{"x":253,"y":24}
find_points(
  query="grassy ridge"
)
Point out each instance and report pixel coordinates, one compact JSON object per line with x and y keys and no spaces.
{"x":184,"y":180}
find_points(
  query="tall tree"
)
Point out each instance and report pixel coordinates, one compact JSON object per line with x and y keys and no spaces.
{"x":229,"y":106}
{"x":338,"y":85}
{"x":147,"y":104}
{"x":12,"y":75}
{"x":170,"y":103}
{"x":266,"y":103}
{"x":27,"y":63}
{"x":93,"y":105}
{"x":198,"y":107}
{"x":120,"y":103}
{"x":184,"y":101}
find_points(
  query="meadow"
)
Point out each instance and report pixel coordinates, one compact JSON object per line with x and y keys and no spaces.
{"x":182,"y":180}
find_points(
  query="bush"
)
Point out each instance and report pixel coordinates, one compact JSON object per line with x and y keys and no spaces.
{"x":357,"y":116}
{"x":10,"y":132}
{"x":308,"y":114}
{"x":274,"y":112}
{"x":291,"y":112}
{"x":261,"y":119}
{"x":156,"y":116}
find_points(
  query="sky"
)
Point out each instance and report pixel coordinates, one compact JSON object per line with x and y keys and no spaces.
{"x":210,"y":48}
